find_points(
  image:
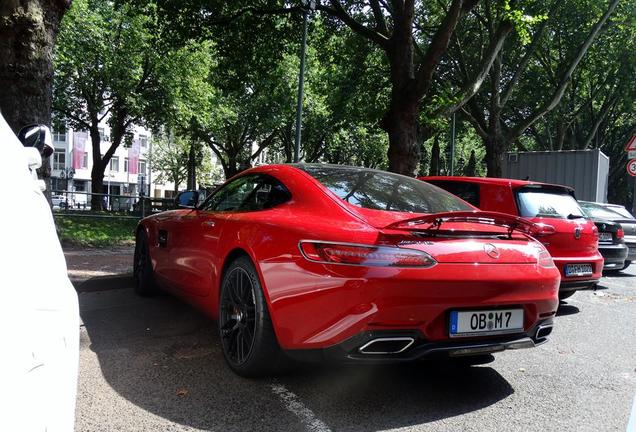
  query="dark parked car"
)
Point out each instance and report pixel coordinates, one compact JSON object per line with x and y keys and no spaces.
{"x":619,"y":215}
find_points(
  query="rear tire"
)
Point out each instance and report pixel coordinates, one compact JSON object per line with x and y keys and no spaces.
{"x":248,"y":341}
{"x":145,"y":284}
{"x":565,"y":294}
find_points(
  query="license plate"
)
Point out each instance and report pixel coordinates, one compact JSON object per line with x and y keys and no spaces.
{"x":572,"y":270}
{"x":481,"y":322}
{"x":605,"y":237}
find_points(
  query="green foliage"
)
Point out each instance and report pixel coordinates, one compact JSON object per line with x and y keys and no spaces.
{"x":224,"y":74}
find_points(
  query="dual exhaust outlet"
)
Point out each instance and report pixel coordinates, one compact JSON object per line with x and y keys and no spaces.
{"x":396,"y":345}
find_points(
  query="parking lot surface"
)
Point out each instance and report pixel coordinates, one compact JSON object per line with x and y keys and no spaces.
{"x":155,"y":364}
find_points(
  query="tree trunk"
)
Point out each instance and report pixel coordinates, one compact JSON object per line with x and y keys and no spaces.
{"x":402,"y":125}
{"x":192,"y":166}
{"x":28,"y":29}
{"x":97,"y":172}
{"x":496,"y":146}
{"x":470,"y":170}
{"x":434,"y":170}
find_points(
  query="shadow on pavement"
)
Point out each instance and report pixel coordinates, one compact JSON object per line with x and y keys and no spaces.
{"x":105,"y":283}
{"x":164,"y":356}
{"x":620,"y":274}
{"x":566,"y":309}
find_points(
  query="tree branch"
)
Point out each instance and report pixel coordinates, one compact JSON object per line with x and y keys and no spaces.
{"x":76,"y":119}
{"x":523,"y":64}
{"x":439,"y":45}
{"x":471,"y":88}
{"x":339,"y":12}
{"x":565,"y":79}
{"x":380,"y":21}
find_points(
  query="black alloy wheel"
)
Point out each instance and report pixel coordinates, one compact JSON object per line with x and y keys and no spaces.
{"x":248,"y":340}
{"x":238,"y":316}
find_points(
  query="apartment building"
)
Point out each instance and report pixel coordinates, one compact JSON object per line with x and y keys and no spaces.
{"x":128,"y":170}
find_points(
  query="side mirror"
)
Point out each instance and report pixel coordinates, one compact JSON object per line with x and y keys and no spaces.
{"x":37,"y":136}
{"x":187,"y":199}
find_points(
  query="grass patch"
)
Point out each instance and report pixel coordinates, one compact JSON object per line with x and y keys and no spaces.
{"x":90,"y":231}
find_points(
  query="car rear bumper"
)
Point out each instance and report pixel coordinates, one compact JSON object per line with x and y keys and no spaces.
{"x":316,"y":306}
{"x":579,"y":282}
{"x":614,"y":255}
{"x":416,"y":347}
{"x":631,"y":246}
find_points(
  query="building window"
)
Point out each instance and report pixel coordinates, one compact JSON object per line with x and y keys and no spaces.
{"x":80,"y":185}
{"x":59,"y":136}
{"x":85,"y":160}
{"x":59,"y":159}
{"x":57,"y":184}
{"x":143,"y":141}
{"x":103,"y":136}
{"x":142,"y":167}
{"x":125,"y":164}
{"x":114,"y":163}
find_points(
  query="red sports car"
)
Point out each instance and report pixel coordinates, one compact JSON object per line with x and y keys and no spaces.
{"x":336,"y":262}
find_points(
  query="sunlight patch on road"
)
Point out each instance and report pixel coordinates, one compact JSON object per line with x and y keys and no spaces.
{"x":294,"y":405}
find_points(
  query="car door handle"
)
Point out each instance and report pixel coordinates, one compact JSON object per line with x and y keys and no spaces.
{"x":208,"y":224}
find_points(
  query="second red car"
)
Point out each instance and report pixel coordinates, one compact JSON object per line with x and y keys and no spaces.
{"x":569,"y":236}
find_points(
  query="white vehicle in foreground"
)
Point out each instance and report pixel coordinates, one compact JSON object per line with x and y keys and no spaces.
{"x":39,"y":316}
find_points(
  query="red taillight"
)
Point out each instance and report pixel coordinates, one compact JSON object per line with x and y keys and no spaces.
{"x":364,"y":255}
{"x":541,"y":229}
{"x":545,"y":259}
{"x":620,"y":233}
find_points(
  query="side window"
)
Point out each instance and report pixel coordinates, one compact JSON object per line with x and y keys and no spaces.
{"x":469,"y":192}
{"x":248,"y":193}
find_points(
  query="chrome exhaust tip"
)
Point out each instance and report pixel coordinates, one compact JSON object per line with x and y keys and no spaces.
{"x":543,"y":331}
{"x":389,"y":345}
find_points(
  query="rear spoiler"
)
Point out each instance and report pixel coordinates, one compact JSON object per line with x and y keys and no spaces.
{"x":435,"y":221}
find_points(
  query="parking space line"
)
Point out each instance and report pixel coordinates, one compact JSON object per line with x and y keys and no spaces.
{"x":631,"y":423}
{"x":295,"y":406}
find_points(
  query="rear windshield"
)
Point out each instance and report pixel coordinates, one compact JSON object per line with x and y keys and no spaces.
{"x":547,"y":203}
{"x":380,"y":190}
{"x":621,"y":211}
{"x":599,"y":212}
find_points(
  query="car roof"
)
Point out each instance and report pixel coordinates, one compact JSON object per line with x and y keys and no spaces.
{"x":514,"y":183}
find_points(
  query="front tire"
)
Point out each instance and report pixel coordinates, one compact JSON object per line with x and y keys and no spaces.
{"x":627,"y":264}
{"x":248,"y":340}
{"x":142,"y":267}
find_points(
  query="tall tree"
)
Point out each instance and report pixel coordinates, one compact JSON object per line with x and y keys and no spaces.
{"x":28,"y":31}
{"x":412,"y":35}
{"x":501,"y":113}
{"x":108,"y":68}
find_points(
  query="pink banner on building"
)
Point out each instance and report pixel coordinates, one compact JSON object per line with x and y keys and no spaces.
{"x":79,"y":148}
{"x":133,"y":157}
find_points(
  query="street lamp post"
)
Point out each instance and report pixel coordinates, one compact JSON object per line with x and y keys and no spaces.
{"x":67,"y":173}
{"x":307,"y":5}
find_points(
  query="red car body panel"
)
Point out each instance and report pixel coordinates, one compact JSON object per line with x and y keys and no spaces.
{"x":497,"y":194}
{"x":315,"y":305}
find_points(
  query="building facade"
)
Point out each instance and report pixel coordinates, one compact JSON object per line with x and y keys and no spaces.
{"x":71,"y":172}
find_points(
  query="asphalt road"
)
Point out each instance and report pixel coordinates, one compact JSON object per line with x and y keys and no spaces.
{"x":156,"y":365}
